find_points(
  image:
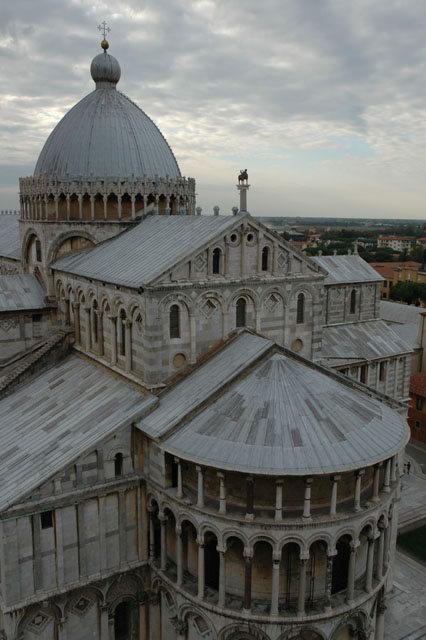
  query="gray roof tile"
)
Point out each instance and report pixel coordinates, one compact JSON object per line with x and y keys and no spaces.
{"x":10,"y":244}
{"x":347,"y":269}
{"x":21,"y":292}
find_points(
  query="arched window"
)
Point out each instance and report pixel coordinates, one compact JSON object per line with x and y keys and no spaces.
{"x":118,"y":465}
{"x":241,"y":312}
{"x":300,"y":319}
{"x":95,"y":320}
{"x":38,"y":250}
{"x":122,"y":330}
{"x":174,"y":321}
{"x":353,"y":301}
{"x":265,"y":259}
{"x":216,"y":261}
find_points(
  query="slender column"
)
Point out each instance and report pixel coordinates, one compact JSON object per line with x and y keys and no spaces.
{"x":151,"y":535}
{"x":351,"y":572}
{"x":275,"y":585}
{"x":329,"y":579}
{"x":132,"y":198}
{"x":249,"y":498}
{"x":119,"y":206}
{"x":87,"y":329}
{"x":80,"y":206}
{"x":358,"y":482}
{"x":104,"y":621}
{"x":67,"y":311}
{"x":278,"y":500}
{"x":247,"y":579}
{"x":386,"y":485}
{"x":193,"y":341}
{"x":68,"y":206}
{"x":222,"y":492}
{"x":163,"y":520}
{"x":128,"y":344}
{"x":113,"y":331}
{"x":333,"y":499}
{"x":100,"y":333}
{"x":179,"y":489}
{"x":386,"y":543}
{"x":92,"y":207}
{"x":222,"y":577}
{"x":380,"y":620}
{"x":302,"y":586}
{"x":105,"y":198}
{"x":179,"y":556}
{"x":307,"y":499}
{"x":379,"y":568}
{"x":76,"y":309}
{"x":56,"y":208}
{"x":200,"y":486}
{"x":394,"y":468}
{"x":370,"y":565}
{"x":201,"y":578}
{"x":376,"y":483}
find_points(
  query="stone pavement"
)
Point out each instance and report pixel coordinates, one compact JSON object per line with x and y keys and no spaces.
{"x":406,"y":614}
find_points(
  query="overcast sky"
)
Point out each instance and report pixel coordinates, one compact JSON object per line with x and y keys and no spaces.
{"x":323,"y":101}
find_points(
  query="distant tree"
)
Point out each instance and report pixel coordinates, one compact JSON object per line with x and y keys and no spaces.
{"x":409,"y":292}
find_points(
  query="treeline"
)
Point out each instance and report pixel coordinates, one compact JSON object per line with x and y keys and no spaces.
{"x":409,"y":292}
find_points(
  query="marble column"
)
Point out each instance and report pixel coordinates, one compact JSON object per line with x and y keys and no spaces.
{"x":358,"y":483}
{"x":179,"y":556}
{"x":100,"y":318}
{"x":200,"y":486}
{"x":249,"y":498}
{"x":151,"y":535}
{"x":278,"y":500}
{"x":222,"y":577}
{"x":248,"y":558}
{"x":76,"y":310}
{"x":201,"y":568}
{"x":104,"y":621}
{"x":380,"y":552}
{"x":222,"y":492}
{"x":179,"y":489}
{"x":351,"y":572}
{"x":386,"y":485}
{"x":329,"y":579}
{"x":128,"y":344}
{"x":307,"y":498}
{"x":380,"y":620}
{"x":370,"y":565}
{"x":302,"y":586}
{"x":113,"y":332}
{"x":67,"y":303}
{"x":275,"y":585}
{"x":333,"y":498}
{"x":376,"y":483}
{"x":87,"y":329}
{"x":163,"y":521}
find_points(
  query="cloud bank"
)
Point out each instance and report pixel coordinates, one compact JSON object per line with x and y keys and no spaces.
{"x":323,"y":102}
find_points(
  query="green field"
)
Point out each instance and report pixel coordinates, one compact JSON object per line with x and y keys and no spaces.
{"x":414,"y":542}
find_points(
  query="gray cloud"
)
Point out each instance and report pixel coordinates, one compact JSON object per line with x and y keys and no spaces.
{"x":324,"y":101}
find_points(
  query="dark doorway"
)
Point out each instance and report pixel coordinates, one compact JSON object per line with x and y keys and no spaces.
{"x":122,"y":624}
{"x":211,"y":562}
{"x":341,"y":565}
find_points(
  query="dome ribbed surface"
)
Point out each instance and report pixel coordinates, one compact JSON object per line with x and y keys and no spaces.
{"x":106,"y":135}
{"x":105,"y":68}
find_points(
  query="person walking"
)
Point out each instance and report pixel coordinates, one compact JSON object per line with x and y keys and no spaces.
{"x":408,"y":467}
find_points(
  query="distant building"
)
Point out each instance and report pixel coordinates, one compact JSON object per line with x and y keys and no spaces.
{"x":394,"y":272}
{"x":398,"y":243}
{"x":417,"y":410}
{"x":409,"y":323}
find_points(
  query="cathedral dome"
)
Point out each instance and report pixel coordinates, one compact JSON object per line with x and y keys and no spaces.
{"x":106,"y":135}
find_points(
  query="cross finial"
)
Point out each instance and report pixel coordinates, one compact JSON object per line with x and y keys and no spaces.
{"x":104,"y":28}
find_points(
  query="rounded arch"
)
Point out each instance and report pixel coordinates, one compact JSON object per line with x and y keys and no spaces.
{"x":322,"y":536}
{"x":211,"y":295}
{"x":262,"y":537}
{"x":251,"y":296}
{"x":306,"y":289}
{"x":26,"y":241}
{"x":134,"y":307}
{"x":59,"y":289}
{"x":187,"y":517}
{"x":56,"y":245}
{"x":207,"y":528}
{"x":345,"y":531}
{"x":292,"y":539}
{"x":105,"y":304}
{"x":276,"y":291}
{"x":306,"y":633}
{"x":151,"y":499}
{"x":165,"y":505}
{"x":242,"y":631}
{"x":128,"y":587}
{"x":117,"y":303}
{"x":37,"y":617}
{"x":234,"y":533}
{"x":91,"y":295}
{"x":74,"y":600}
{"x":188,"y":610}
{"x":159,"y":587}
{"x":175,"y":298}
{"x":354,"y":622}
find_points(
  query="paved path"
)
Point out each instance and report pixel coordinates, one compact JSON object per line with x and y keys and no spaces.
{"x":406,"y":613}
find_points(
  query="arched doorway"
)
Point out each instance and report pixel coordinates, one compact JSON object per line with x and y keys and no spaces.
{"x":341,"y":565}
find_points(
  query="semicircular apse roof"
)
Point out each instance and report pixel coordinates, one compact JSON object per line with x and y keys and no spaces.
{"x":106,"y":135}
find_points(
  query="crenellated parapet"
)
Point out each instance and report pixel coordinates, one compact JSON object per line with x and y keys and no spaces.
{"x":57,"y":198}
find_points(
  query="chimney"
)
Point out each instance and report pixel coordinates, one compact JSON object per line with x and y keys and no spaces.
{"x":198,"y":211}
{"x":234,"y":211}
{"x":216,"y":210}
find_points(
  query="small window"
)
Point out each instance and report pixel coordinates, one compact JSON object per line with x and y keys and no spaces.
{"x":300,"y":319}
{"x":118,"y":465}
{"x":353,"y":301}
{"x":174,"y":321}
{"x":419,"y":404}
{"x":38,"y":250}
{"x":265,"y":259}
{"x":216,"y":261}
{"x":36,"y":317}
{"x":46,"y":519}
{"x":241,"y":308}
{"x":417,"y":424}
{"x":382,"y":371}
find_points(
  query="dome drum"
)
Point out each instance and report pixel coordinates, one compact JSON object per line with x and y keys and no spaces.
{"x":51,"y":198}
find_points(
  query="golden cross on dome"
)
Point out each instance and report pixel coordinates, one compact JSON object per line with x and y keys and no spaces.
{"x":104,"y":28}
